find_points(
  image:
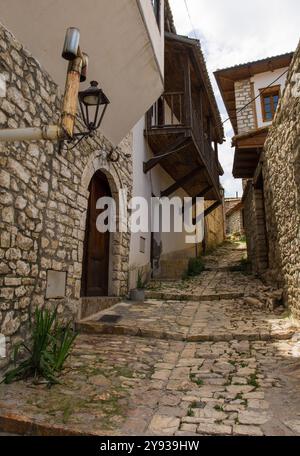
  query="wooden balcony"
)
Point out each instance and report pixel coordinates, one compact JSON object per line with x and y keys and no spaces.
{"x":176,"y":135}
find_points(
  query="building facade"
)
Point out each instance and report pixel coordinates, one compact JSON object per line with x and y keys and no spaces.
{"x":175,"y":155}
{"x":51,"y":254}
{"x":251,"y":93}
{"x":267,"y":158}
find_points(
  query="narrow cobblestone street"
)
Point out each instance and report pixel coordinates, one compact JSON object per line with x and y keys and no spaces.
{"x":202,"y":356}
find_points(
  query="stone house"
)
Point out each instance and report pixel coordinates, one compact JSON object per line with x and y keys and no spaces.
{"x":47,"y":193}
{"x":49,"y":253}
{"x":251,"y":93}
{"x":234,"y":218}
{"x":267,"y":159}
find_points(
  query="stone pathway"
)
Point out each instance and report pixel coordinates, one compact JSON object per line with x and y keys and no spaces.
{"x":218,"y":367}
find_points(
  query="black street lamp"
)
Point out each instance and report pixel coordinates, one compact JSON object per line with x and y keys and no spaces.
{"x":93,"y":104}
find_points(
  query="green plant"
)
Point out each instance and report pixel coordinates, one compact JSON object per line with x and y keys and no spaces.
{"x":239,"y":397}
{"x":190,"y":412}
{"x":252,"y":381}
{"x":195,"y":267}
{"x":219,"y":408}
{"x":51,"y":344}
{"x":140,"y":284}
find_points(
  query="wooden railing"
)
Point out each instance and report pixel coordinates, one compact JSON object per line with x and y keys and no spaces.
{"x":167,"y":111}
{"x":207,"y":153}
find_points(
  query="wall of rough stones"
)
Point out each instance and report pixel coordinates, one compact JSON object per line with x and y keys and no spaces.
{"x":234,"y":222}
{"x":246,"y":118}
{"x":281,"y":170}
{"x":44,"y":196}
{"x":255,"y":229}
{"x":214,"y":227}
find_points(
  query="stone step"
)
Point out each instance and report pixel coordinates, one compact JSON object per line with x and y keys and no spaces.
{"x":20,"y":425}
{"x":93,"y":305}
{"x":192,"y":297}
{"x":94,"y":327}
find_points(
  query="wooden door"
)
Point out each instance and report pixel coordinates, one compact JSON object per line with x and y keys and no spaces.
{"x":96,"y":245}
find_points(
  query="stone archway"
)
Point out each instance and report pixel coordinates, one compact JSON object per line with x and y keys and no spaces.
{"x":118,"y":242}
{"x":96,"y":254}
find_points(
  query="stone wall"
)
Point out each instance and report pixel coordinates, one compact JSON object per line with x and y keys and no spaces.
{"x":255,"y":230}
{"x":234,"y":222}
{"x":233,"y":216}
{"x":214,"y":227}
{"x":246,"y":118}
{"x":281,"y":171}
{"x":44,"y":196}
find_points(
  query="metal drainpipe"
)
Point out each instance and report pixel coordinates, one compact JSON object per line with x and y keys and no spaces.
{"x":50,"y":132}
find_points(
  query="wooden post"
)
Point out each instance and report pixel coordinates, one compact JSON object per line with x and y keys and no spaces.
{"x":71,"y":96}
{"x":187,"y":91}
{"x":202,"y":119}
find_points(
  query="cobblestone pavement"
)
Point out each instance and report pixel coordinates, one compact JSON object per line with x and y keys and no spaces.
{"x":210,"y":307}
{"x":118,"y":384}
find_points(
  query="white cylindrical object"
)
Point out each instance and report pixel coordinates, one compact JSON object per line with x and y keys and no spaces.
{"x":50,"y":132}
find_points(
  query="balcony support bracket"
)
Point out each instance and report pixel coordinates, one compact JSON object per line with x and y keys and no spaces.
{"x":208,"y":211}
{"x":181,"y":182}
{"x":211,"y":208}
{"x":202,"y":193}
{"x":178,"y":146}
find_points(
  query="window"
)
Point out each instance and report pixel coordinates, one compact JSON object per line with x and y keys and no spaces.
{"x":269,"y":102}
{"x":142,"y":245}
{"x":156,"y":7}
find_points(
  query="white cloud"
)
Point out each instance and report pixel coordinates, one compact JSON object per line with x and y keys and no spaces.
{"x":233,"y":32}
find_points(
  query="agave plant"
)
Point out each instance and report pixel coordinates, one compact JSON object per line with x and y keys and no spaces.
{"x":50,"y":346}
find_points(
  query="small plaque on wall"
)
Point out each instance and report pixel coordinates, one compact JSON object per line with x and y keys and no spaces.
{"x":56,"y":284}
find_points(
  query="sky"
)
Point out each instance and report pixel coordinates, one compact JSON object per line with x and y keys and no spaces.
{"x":233,"y":32}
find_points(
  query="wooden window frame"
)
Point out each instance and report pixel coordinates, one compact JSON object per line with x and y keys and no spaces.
{"x":270,"y":91}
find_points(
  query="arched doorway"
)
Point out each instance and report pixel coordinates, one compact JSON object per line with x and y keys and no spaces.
{"x":95,"y":270}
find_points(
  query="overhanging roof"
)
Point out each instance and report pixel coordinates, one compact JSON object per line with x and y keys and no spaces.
{"x":227,"y":77}
{"x":248,"y":148}
{"x":169,"y":20}
{"x":124,"y":43}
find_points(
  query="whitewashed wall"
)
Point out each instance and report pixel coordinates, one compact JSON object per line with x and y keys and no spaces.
{"x":261,"y":81}
{"x":146,"y":185}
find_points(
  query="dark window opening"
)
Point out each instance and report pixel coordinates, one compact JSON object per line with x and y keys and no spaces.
{"x":156,"y":7}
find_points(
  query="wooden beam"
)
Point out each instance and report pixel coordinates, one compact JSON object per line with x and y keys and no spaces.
{"x":177,"y":146}
{"x":187,"y":90}
{"x":165,"y":130}
{"x":202,"y":193}
{"x":211,"y":208}
{"x":181,"y":182}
